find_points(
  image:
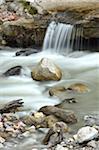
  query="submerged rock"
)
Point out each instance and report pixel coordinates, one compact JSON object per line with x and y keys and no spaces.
{"x":13,"y":71}
{"x":78,"y":87}
{"x":46,"y":70}
{"x":56,"y":90}
{"x":86,"y":134}
{"x":64,"y":115}
{"x":26,"y":52}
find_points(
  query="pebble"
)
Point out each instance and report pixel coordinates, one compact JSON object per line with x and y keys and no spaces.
{"x":92,"y":144}
{"x":2,"y":140}
{"x":31,"y":129}
{"x":26,"y":134}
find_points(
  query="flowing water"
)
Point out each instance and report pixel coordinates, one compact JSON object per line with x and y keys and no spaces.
{"x":76,"y":67}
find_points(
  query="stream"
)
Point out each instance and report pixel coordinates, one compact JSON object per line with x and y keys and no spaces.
{"x":77,"y":67}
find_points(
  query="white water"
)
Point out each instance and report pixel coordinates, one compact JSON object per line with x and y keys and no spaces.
{"x":84,"y":69}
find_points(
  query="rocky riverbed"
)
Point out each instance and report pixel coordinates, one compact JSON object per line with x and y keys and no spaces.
{"x":47,"y":130}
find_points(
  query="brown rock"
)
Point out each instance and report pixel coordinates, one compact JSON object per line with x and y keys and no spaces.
{"x":46,"y":70}
{"x":64,"y":115}
{"x":56,"y":90}
{"x":78,"y":87}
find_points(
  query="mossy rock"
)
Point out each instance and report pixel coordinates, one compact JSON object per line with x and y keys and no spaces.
{"x":31,"y":10}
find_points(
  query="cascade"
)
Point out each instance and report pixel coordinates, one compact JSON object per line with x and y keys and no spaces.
{"x":61,"y":38}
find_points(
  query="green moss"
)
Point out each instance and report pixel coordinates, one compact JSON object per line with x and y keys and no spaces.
{"x":31,"y":10}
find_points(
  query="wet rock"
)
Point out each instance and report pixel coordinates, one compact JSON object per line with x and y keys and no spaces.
{"x":64,"y":115}
{"x":56,"y":90}
{"x":78,"y":87}
{"x":13,"y":71}
{"x":62,"y":93}
{"x":91,"y":120}
{"x":12,"y":106}
{"x":55,"y":134}
{"x":46,"y":70}
{"x":26,"y":52}
{"x":86,"y":134}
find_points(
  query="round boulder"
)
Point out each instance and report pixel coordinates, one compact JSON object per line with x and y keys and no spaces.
{"x":46,"y":70}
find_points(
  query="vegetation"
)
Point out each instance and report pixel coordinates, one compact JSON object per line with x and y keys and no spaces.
{"x":31,"y":10}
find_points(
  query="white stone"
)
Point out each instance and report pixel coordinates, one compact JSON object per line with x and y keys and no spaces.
{"x":86,"y":133}
{"x":2,"y":140}
{"x":1,"y":145}
{"x":60,"y":147}
{"x":26,"y":134}
{"x":2,"y":1}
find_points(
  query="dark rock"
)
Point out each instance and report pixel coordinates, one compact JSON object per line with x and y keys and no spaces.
{"x":26,"y":52}
{"x":64,"y":115}
{"x":13,"y":71}
{"x":12,"y":106}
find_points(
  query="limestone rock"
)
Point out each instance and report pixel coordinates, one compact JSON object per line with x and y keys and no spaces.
{"x":86,"y":134}
{"x":46,"y":70}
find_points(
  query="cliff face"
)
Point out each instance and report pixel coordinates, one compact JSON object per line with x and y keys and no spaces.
{"x":82,"y":12}
{"x":23,"y":23}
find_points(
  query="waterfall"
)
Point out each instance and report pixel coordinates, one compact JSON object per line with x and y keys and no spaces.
{"x":60,"y":38}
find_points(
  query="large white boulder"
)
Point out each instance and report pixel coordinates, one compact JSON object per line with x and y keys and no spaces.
{"x":86,"y":134}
